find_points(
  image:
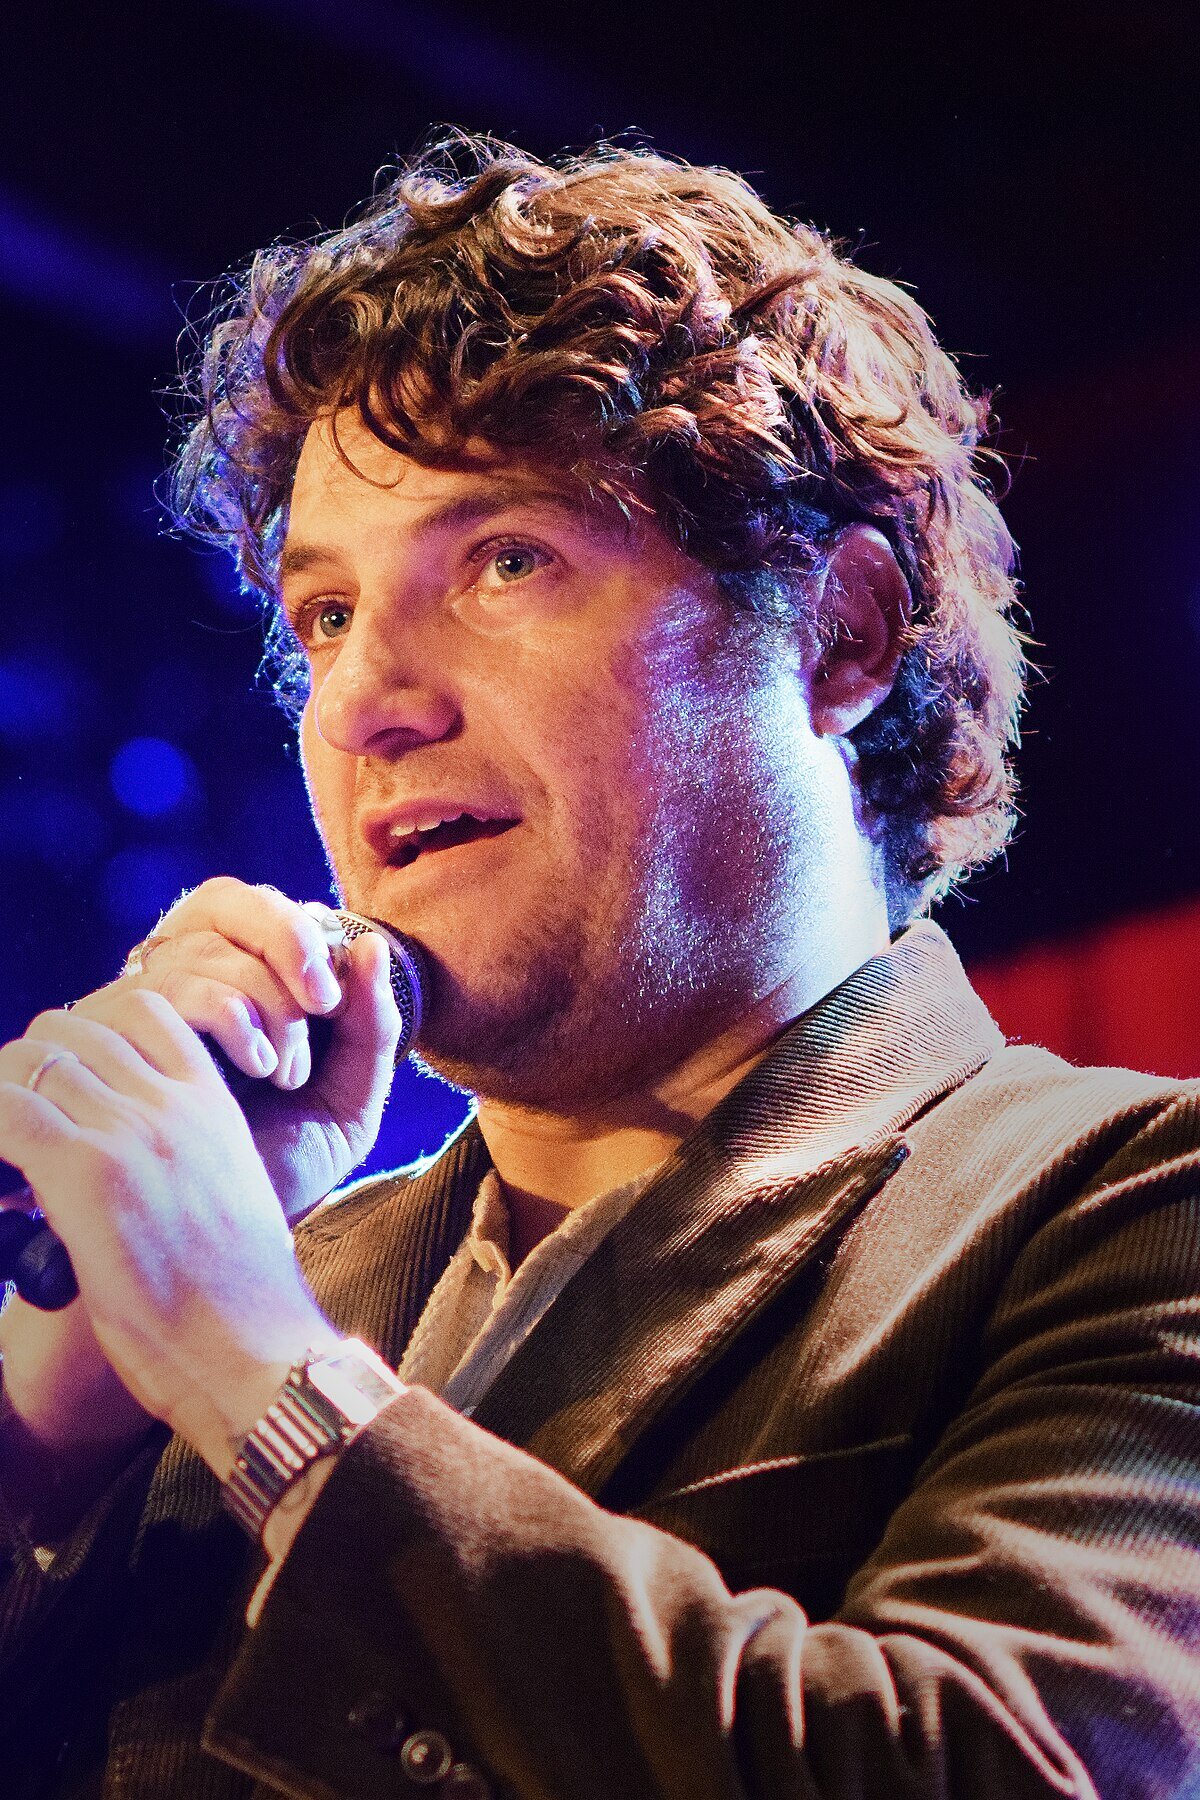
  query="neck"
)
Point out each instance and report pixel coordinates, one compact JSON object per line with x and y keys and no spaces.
{"x":551,"y":1161}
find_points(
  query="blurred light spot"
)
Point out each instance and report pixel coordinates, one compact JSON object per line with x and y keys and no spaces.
{"x":141,"y":882}
{"x":152,"y":777}
{"x":51,"y":823}
{"x":33,"y":517}
{"x":41,"y":697}
{"x":110,"y":293}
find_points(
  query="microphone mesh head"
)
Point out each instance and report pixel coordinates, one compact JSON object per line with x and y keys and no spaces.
{"x":408,"y":971}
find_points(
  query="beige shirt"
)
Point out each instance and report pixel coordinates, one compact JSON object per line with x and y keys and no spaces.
{"x":480,"y":1312}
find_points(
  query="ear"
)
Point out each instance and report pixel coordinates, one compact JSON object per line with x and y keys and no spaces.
{"x":864,"y":610}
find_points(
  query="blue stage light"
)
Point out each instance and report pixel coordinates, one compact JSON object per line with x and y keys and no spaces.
{"x":40,"y":697}
{"x":141,"y":882}
{"x":152,"y":777}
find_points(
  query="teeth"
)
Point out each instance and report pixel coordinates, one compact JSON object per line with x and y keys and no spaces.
{"x":425,"y":822}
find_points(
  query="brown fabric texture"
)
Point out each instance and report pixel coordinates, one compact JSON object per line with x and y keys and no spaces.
{"x":861,"y":1459}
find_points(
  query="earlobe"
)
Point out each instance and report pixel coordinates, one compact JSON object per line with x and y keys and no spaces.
{"x":865,"y":609}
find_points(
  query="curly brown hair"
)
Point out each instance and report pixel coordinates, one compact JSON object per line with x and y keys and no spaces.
{"x":653,"y":329}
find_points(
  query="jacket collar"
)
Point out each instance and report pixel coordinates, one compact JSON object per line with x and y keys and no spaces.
{"x":742,"y":1206}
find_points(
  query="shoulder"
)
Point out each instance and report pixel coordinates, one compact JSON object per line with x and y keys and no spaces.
{"x":1033,"y":1125}
{"x":1024,"y":1093}
{"x":406,"y":1192}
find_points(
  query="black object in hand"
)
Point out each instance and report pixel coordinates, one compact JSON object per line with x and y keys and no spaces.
{"x":35,"y":1261}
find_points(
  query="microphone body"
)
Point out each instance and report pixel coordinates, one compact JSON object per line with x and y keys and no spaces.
{"x":34,"y":1260}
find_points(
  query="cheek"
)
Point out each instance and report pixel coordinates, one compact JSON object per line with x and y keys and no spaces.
{"x":327,"y":776}
{"x":556,"y":710}
{"x":669,"y":716}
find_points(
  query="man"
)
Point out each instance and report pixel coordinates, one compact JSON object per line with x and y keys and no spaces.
{"x":797,"y":1387}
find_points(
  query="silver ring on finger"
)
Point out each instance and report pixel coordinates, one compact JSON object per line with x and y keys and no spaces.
{"x":136,"y":961}
{"x":48,"y":1061}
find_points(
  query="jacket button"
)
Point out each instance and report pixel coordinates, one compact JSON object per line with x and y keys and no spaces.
{"x":426,"y":1758}
{"x":465,"y":1783}
{"x":379,"y":1720}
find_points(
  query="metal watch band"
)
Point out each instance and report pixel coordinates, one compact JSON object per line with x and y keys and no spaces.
{"x":327,"y":1398}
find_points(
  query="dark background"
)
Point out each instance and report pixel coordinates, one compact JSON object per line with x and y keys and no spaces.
{"x":1028,"y":169}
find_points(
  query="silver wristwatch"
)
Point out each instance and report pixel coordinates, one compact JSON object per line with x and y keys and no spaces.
{"x":326,"y":1400}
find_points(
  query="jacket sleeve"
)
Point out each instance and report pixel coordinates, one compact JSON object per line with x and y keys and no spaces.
{"x":1028,"y":1627}
{"x":53,"y":1612}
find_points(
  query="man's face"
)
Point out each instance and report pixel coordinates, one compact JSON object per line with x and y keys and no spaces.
{"x":616,"y":764}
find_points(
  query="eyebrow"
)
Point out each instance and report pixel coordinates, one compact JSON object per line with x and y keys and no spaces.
{"x":472,"y":508}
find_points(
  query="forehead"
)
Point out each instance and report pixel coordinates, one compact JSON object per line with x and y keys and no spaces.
{"x":344,"y":471}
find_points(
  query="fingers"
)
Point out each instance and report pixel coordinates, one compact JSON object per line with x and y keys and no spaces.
{"x":35,"y":1126}
{"x":269,"y":927}
{"x":245,"y":966}
{"x":239,"y":1005}
{"x":130,"y":1040}
{"x":356,"y":1069}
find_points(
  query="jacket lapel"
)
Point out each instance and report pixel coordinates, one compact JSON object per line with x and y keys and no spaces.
{"x":698,"y":1257}
{"x":377,"y":1253}
{"x":742,"y":1208}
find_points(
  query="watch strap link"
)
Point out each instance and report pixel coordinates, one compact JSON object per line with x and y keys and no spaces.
{"x":325,"y":1401}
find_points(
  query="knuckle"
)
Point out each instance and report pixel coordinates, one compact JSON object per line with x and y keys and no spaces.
{"x":178,"y":958}
{"x":152,"y":1004}
{"x":108,"y":1157}
{"x":274,"y":897}
{"x":213,"y":895}
{"x":230,"y":1009}
{"x":218,"y":887}
{"x":47,"y":1022}
{"x":170,"y":984}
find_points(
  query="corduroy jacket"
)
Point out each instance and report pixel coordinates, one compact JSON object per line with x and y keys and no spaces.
{"x":870,"y":1472}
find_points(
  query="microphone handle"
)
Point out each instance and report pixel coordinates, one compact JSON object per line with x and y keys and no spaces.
{"x":36,"y":1262}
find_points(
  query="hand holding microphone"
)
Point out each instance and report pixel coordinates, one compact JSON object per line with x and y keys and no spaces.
{"x":257,"y":976}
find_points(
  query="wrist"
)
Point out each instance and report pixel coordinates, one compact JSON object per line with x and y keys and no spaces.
{"x":239,"y":1388}
{"x":293,"y":1507}
{"x":326,"y":1397}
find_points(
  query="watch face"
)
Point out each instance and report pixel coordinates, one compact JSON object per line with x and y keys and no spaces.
{"x":355,"y":1381}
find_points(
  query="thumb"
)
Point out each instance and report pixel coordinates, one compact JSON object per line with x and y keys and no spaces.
{"x":356,"y":1069}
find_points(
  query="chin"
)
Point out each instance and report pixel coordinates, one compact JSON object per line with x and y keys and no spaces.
{"x":503,"y":1039}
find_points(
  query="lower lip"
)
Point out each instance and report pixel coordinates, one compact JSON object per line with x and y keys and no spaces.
{"x":443,"y":857}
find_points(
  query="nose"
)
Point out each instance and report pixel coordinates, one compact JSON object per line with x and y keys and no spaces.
{"x":380,"y":695}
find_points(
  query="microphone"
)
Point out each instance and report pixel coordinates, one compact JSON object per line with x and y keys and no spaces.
{"x":36,"y":1262}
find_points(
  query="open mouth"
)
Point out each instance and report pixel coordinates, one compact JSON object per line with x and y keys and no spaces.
{"x":446,"y":836}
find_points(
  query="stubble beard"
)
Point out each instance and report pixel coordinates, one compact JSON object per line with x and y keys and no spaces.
{"x":577,"y":1010}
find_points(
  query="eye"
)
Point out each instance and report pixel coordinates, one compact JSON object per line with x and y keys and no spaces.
{"x":320,"y":622}
{"x":512,"y":563}
{"x":511,"y":585}
{"x":331,"y":620}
